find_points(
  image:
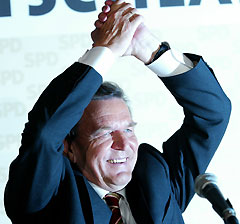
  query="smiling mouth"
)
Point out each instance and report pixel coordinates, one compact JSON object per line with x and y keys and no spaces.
{"x":117,"y":161}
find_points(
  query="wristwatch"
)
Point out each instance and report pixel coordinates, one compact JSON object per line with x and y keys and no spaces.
{"x":163,"y":48}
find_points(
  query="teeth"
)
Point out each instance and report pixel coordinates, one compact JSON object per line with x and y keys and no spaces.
{"x":117,"y":160}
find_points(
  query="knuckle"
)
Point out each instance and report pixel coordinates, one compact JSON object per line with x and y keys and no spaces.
{"x":135,"y":11}
{"x":128,"y":5}
{"x":138,"y":16}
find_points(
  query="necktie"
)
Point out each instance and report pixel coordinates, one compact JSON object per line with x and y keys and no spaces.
{"x":112,"y":200}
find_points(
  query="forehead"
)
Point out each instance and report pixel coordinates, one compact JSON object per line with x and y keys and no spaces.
{"x":109,"y":107}
{"x":106,"y":111}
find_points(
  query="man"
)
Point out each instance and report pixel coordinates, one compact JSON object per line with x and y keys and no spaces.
{"x":90,"y":123}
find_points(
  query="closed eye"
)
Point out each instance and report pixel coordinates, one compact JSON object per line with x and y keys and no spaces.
{"x":128,"y":130}
{"x":105,"y":134}
{"x":102,"y":132}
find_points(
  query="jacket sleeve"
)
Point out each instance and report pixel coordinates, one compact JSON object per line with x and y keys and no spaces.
{"x":37,"y":171}
{"x":207,"y":110}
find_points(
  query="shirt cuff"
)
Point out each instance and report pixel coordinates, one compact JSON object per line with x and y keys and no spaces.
{"x":100,"y":58}
{"x":171,"y":63}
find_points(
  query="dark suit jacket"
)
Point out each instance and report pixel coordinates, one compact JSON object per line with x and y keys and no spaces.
{"x":44,"y":187}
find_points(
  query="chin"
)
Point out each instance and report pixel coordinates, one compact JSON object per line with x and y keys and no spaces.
{"x":122,"y":180}
{"x":118,"y":181}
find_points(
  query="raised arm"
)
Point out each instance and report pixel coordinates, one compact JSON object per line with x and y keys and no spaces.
{"x":36,"y":173}
{"x":206,"y":108}
{"x":40,"y":168}
{"x":207,"y":111}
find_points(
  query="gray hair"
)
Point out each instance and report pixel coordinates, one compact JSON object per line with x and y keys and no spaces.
{"x":109,"y":90}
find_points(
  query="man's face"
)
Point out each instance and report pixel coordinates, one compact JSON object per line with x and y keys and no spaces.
{"x":106,"y":147}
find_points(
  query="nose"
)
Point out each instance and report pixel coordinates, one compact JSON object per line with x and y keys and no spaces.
{"x":120,"y":140}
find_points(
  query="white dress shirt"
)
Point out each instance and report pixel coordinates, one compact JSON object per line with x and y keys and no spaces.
{"x":170,"y":63}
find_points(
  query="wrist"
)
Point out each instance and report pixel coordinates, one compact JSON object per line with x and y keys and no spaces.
{"x":146,"y":51}
{"x":145,"y":44}
{"x":151,"y":59}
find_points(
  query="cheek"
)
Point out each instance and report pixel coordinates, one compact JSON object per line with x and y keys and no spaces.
{"x":98,"y":150}
{"x":133,"y":142}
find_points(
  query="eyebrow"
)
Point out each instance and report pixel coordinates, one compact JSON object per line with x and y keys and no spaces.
{"x":107,"y":128}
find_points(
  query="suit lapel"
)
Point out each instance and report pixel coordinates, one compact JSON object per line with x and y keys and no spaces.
{"x":94,"y":209}
{"x":101,"y":212}
{"x":137,"y":203}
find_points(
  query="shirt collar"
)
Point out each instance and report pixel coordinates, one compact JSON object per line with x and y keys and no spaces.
{"x":101,"y":192}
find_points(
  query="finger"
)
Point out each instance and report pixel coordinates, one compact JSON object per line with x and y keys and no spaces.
{"x":98,"y":24}
{"x":117,"y":1}
{"x":106,"y":9}
{"x":130,"y":11}
{"x":109,"y":2}
{"x":102,"y":17}
{"x":126,"y":10}
{"x":135,"y":21}
{"x":119,"y":8}
{"x":137,"y":18}
{"x":117,"y":5}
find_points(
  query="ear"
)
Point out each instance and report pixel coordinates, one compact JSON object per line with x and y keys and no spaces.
{"x":68,"y":152}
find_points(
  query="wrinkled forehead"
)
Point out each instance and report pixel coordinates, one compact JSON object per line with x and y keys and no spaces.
{"x":99,"y":112}
{"x":113,"y":106}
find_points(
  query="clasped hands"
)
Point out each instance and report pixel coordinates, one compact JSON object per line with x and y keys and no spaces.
{"x":121,"y":28}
